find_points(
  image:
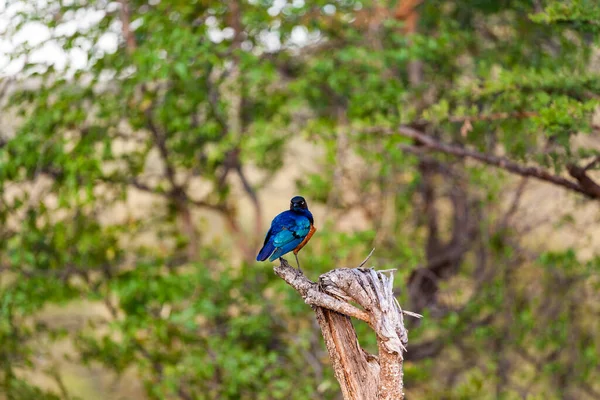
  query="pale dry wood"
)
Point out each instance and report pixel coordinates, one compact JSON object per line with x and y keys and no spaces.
{"x":360,"y":374}
{"x":312,"y":295}
{"x":356,"y":370}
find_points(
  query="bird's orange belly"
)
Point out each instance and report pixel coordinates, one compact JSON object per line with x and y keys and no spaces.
{"x":306,"y":239}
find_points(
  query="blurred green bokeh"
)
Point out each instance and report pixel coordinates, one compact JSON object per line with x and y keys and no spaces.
{"x":145,"y":146}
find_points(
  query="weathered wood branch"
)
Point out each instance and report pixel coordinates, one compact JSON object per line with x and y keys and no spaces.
{"x":361,"y":375}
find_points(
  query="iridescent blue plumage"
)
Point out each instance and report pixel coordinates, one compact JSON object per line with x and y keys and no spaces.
{"x":290,"y":231}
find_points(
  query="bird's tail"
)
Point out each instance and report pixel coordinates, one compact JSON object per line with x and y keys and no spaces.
{"x":265,"y":252}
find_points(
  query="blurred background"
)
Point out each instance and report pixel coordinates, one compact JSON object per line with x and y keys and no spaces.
{"x":145,"y":146}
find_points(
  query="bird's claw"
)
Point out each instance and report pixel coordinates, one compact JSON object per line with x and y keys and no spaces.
{"x":281,"y":259}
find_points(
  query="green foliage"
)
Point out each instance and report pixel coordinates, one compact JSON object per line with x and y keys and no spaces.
{"x":200,"y":119}
{"x":188,"y":327}
{"x":582,"y":15}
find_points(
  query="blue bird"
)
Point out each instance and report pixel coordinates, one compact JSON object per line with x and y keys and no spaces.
{"x":290,"y":231}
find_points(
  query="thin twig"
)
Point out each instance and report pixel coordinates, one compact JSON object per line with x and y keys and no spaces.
{"x":494,"y":117}
{"x":125,"y":16}
{"x":592,"y":164}
{"x":366,"y":259}
{"x":384,"y":271}
{"x":515,"y":203}
{"x":412,"y":314}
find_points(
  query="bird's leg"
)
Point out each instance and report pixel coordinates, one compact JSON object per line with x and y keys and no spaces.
{"x":282,"y":260}
{"x":297,"y":262}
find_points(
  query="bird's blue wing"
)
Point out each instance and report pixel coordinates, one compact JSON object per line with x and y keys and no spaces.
{"x":288,"y":231}
{"x":267,"y":248}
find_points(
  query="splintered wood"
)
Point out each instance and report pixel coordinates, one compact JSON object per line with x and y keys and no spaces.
{"x":361,"y":375}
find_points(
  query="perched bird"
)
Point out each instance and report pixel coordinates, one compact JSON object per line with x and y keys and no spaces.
{"x":290,"y":231}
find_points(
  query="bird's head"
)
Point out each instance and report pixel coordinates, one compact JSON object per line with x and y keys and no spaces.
{"x":298,"y":203}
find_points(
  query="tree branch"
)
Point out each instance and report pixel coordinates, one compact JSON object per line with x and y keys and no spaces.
{"x":253,"y":197}
{"x":125,"y":16}
{"x":312,"y":295}
{"x":177,"y":194}
{"x":161,"y":143}
{"x":585,"y":185}
{"x":494,"y":116}
{"x":361,"y":375}
{"x":592,"y":164}
{"x":584,"y":180}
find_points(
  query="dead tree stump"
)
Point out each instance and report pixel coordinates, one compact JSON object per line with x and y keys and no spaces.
{"x":362,"y":376}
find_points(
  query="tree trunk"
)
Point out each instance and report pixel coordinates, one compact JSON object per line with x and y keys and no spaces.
{"x":362,"y":376}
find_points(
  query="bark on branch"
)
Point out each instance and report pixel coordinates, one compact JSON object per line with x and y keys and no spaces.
{"x":584,"y":184}
{"x":361,"y":375}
